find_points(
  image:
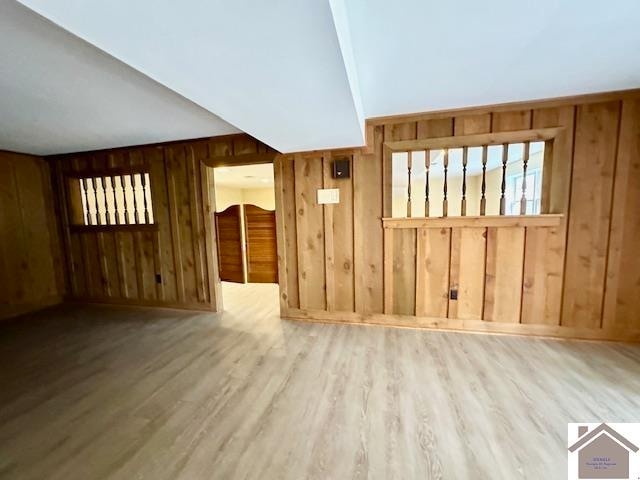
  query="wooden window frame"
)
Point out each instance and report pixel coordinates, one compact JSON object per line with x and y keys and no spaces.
{"x":77,"y":214}
{"x":546,"y":135}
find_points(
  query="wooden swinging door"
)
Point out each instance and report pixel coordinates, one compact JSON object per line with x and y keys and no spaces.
{"x":229,"y":232}
{"x":260,"y":235}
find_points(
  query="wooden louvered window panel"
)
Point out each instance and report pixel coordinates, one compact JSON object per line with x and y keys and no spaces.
{"x":480,"y":175}
{"x":111,"y":200}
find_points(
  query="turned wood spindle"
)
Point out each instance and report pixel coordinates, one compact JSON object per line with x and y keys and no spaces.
{"x":144,"y":196}
{"x":463,"y":205}
{"x":107,"y":215}
{"x":124,"y":197}
{"x":525,"y":161}
{"x":116,"y":213}
{"x":503,"y":185}
{"x":409,"y":159}
{"x":427,"y":166}
{"x":445,"y":202}
{"x":94,"y":184}
{"x":483,"y":190}
{"x":136,"y":215}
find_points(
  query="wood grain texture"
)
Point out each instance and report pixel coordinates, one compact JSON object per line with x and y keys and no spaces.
{"x":170,"y":263}
{"x":432,"y":272}
{"x":139,"y":393}
{"x":404,"y":272}
{"x":542,"y":277}
{"x":260,"y":238}
{"x":503,"y":281}
{"x":472,"y":124}
{"x":544,"y":291}
{"x":339,"y":218}
{"x":30,"y":254}
{"x":622,"y":290}
{"x":230,"y":251}
{"x":310,"y":233}
{"x":586,"y":294}
{"x":590,"y":216}
{"x":511,"y":120}
{"x":287,"y":232}
{"x":367,"y":234}
{"x":468,"y":256}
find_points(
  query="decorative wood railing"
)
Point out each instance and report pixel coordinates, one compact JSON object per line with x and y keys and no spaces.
{"x":507,"y":141}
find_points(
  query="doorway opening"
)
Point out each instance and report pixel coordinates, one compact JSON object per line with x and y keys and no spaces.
{"x":245,"y":226}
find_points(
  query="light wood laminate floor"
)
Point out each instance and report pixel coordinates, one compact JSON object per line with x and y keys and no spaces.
{"x":124,"y":393}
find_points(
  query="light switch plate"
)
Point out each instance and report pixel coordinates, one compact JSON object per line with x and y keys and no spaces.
{"x":328,"y":195}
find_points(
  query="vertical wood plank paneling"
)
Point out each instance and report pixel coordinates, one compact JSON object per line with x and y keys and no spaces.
{"x":329,"y":258}
{"x":542,"y":279}
{"x":468,"y":255}
{"x":174,"y":213}
{"x":105,"y":271}
{"x":342,"y":233}
{"x":13,"y":245}
{"x":66,"y":247}
{"x":545,"y":248}
{"x":31,"y":270}
{"x":281,"y":208}
{"x":75,"y":253}
{"x":368,"y":234}
{"x":36,"y":259}
{"x":164,"y":259}
{"x":472,"y":124}
{"x":388,"y":270}
{"x":184,"y":197}
{"x":591,"y":194}
{"x":128,"y":267}
{"x":310,"y":233}
{"x":432,"y":272}
{"x":92,"y":265}
{"x":503,"y":281}
{"x":511,"y":120}
{"x":557,"y":168}
{"x":436,"y":127}
{"x":289,"y":216}
{"x":210,"y":238}
{"x":145,"y":271}
{"x":197,"y":231}
{"x":54,"y":213}
{"x":622,"y":292}
{"x":404,"y":271}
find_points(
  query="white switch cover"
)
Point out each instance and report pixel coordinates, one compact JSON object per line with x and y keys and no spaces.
{"x":328,"y":195}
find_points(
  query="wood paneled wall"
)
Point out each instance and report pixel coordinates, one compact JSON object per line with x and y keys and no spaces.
{"x":580,"y":278}
{"x":31,"y":273}
{"x":171,"y":263}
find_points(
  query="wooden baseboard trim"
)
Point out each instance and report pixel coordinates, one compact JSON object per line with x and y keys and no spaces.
{"x":198,"y":307}
{"x":460,"y":325}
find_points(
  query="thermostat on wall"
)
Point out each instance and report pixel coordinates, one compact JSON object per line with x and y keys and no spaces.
{"x":328,"y":195}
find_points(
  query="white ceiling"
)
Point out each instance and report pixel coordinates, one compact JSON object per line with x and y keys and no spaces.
{"x":59,"y":94}
{"x":245,"y":176}
{"x":296,"y":74}
{"x":272,"y":68}
{"x":418,"y":55}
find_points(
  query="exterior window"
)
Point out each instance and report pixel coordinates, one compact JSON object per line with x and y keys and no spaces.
{"x":112,"y":200}
{"x":532,"y":192}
